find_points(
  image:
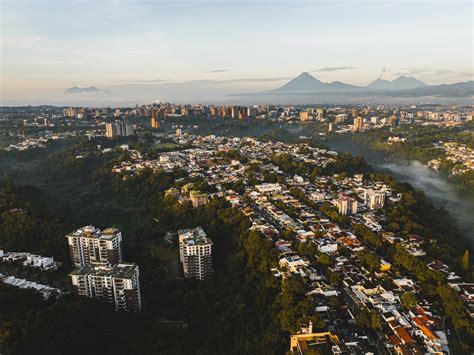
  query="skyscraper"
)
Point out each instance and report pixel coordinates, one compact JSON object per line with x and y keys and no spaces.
{"x":195,"y":252}
{"x":156,"y":116}
{"x":358,"y":122}
{"x":374,"y":199}
{"x":346,"y":205}
{"x":115,"y":284}
{"x":113,"y":130}
{"x":90,"y":246}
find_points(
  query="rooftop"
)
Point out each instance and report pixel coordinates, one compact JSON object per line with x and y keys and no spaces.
{"x":122,"y":270}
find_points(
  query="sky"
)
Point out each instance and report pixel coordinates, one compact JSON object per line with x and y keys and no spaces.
{"x":188,"y":50}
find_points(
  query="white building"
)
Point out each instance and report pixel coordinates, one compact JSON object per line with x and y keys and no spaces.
{"x":113,"y":130}
{"x":346,"y":205}
{"x":40,"y":262}
{"x":374,"y":199}
{"x":90,"y":246}
{"x":266,"y":188}
{"x":195,"y":253}
{"x":117,"y":284}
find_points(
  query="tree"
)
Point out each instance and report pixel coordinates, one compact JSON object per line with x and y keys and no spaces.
{"x":324,"y":259}
{"x":465,"y":261}
{"x":408,"y":300}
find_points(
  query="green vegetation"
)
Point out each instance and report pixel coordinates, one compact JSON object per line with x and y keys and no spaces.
{"x":408,"y":300}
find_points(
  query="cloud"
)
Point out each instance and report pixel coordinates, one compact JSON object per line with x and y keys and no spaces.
{"x":147,"y":81}
{"x":253,"y":80}
{"x":218,"y":71}
{"x":384,"y":70}
{"x":434,"y":72}
{"x":331,"y":69}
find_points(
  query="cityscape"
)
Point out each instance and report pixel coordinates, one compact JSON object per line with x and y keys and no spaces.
{"x":160,"y":196}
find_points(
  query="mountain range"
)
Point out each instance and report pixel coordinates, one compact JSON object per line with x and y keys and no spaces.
{"x":305,"y":82}
{"x":402,"y":87}
{"x":400,"y":83}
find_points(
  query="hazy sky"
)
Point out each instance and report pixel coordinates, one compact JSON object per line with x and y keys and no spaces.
{"x":48,"y":46}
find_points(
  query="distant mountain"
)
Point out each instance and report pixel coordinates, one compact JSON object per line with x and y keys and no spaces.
{"x":305,"y":89}
{"x":302,"y":83}
{"x":306,"y":83}
{"x":85,"y":90}
{"x":464,"y":89}
{"x":379,"y":84}
{"x":400,"y":83}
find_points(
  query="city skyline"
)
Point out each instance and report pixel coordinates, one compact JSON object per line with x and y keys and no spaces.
{"x":135,"y":49}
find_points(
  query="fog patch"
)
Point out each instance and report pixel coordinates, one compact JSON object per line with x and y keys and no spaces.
{"x":440,"y":191}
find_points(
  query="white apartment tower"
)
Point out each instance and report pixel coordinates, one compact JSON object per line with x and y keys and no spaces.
{"x":374,"y":199}
{"x":346,"y":205}
{"x":115,"y":284}
{"x":195,"y":252}
{"x":90,"y":246}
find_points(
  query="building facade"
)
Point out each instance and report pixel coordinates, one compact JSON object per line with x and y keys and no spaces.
{"x":198,"y":198}
{"x":195,"y":252}
{"x":113,"y":130}
{"x":374,"y":199}
{"x":346,"y":205}
{"x":90,"y":246}
{"x":115,"y":284}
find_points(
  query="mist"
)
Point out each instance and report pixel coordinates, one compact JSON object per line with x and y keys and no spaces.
{"x":439,"y":190}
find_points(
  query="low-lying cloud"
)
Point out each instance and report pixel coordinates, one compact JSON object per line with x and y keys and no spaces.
{"x":218,"y":71}
{"x":441,"y":192}
{"x":331,"y":69}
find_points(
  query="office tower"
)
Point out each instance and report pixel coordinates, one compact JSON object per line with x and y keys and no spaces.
{"x":90,"y":246}
{"x":115,"y":284}
{"x":374,"y":199}
{"x":330,"y":127}
{"x":358,"y":121}
{"x":346,"y":205}
{"x":195,"y":253}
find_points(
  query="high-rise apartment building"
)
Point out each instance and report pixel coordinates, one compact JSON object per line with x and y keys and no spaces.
{"x":321,"y":114}
{"x":346,"y":205}
{"x":69,"y":112}
{"x":113,"y":130}
{"x":115,"y":284}
{"x":393,"y":121}
{"x":156,"y":116}
{"x":358,"y":122}
{"x":90,"y":246}
{"x":304,"y":116}
{"x":374,"y":199}
{"x":198,"y":198}
{"x":195,"y":252}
